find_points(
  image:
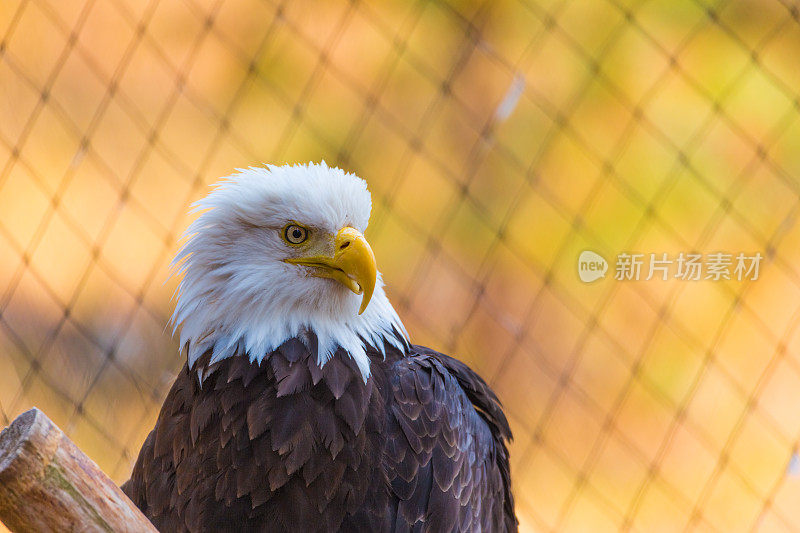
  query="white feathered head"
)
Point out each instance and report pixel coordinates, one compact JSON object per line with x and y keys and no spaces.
{"x":278,"y":252}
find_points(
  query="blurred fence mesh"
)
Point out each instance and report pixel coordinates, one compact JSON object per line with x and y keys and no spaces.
{"x":499,"y":140}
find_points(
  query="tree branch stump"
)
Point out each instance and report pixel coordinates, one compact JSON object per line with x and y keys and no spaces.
{"x":48,"y":484}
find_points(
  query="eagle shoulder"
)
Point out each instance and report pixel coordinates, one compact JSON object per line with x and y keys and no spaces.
{"x":446,"y":457}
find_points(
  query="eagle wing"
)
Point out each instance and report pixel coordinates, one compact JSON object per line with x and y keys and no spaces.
{"x":446,"y":458}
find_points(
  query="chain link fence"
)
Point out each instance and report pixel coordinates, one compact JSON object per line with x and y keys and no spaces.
{"x":500,"y":140}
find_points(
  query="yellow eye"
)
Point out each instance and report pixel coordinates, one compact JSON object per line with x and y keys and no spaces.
{"x":294,"y":234}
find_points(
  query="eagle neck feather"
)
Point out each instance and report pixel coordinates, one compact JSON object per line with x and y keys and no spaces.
{"x":257,"y":329}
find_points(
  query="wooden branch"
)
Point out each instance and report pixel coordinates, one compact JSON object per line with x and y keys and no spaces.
{"x":48,"y":484}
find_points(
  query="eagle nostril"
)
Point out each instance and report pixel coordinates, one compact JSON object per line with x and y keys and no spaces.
{"x":345,"y":245}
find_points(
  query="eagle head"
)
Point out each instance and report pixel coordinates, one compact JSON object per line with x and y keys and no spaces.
{"x":277,"y":253}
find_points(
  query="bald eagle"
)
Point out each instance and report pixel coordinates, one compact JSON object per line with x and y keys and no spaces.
{"x":302,"y":405}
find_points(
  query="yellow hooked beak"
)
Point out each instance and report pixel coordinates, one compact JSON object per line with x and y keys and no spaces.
{"x":352,"y":265}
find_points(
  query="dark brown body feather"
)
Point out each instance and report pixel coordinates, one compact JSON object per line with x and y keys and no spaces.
{"x":287,"y":446}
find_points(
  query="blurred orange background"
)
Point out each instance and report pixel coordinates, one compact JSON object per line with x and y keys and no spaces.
{"x":499,"y":140}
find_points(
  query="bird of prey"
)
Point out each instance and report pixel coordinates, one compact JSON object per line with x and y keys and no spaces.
{"x":302,"y":405}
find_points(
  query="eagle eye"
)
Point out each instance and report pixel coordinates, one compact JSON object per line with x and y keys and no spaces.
{"x":295,"y":234}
